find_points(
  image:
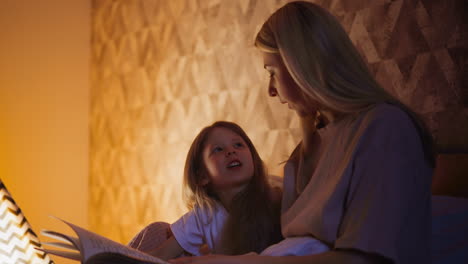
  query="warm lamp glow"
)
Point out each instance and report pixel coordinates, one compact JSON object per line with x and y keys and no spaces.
{"x":17,"y":240}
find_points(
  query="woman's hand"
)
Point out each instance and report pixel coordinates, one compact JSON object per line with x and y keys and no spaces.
{"x":250,"y":258}
{"x":208,"y":259}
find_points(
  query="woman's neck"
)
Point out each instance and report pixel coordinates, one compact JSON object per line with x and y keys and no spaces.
{"x":309,"y":125}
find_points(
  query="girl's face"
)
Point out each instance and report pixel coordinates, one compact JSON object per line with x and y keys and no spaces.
{"x":283,"y":85}
{"x":228,"y":160}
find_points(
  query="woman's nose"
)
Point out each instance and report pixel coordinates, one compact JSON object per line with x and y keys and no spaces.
{"x":272,"y":91}
{"x":229,"y":152}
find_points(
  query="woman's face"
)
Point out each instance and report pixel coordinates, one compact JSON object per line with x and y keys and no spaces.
{"x":283,"y":86}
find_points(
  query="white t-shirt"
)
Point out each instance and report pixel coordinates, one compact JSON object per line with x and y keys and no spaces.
{"x":198,"y":227}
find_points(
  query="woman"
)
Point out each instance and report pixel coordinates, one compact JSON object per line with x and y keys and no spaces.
{"x":360,"y":183}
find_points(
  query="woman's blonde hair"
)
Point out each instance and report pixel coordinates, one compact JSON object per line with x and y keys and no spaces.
{"x":325,"y":64}
{"x":254,"y":213}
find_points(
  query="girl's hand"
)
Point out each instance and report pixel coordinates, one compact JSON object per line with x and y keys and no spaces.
{"x":204,"y":250}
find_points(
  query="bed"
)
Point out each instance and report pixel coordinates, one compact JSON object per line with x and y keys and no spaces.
{"x":449,"y":214}
{"x":450,"y":209}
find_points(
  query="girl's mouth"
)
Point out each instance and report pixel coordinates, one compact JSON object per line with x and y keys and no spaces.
{"x":234,"y":163}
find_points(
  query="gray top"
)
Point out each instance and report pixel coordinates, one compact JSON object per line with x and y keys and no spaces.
{"x":367,"y":187}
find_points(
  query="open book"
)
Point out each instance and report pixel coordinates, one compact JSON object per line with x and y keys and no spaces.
{"x":91,"y":248}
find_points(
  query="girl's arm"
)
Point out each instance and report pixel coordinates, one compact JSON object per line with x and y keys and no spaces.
{"x":169,"y":249}
{"x":330,"y":257}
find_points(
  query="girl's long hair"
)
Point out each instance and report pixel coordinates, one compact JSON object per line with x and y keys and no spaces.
{"x":325,"y":64}
{"x":254,"y":214}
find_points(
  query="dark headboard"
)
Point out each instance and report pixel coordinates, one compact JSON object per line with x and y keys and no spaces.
{"x":451,"y":175}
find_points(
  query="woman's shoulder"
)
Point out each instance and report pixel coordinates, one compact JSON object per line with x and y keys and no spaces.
{"x":387,"y":120}
{"x":378,"y":115}
{"x":389,"y":112}
{"x":385,"y":117}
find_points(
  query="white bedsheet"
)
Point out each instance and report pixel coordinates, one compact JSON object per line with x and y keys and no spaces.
{"x":296,"y":246}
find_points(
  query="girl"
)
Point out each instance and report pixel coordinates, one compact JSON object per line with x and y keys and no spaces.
{"x":359,"y":180}
{"x":233,"y":209}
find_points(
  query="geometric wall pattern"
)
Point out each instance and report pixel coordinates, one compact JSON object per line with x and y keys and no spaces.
{"x":161,"y":70}
{"x":18,"y":242}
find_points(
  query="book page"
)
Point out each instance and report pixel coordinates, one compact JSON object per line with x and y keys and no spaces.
{"x":75,"y":243}
{"x":93,"y":244}
{"x":60,"y":245}
{"x":61,"y":253}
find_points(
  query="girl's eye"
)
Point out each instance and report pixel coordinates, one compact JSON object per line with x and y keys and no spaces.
{"x":217,"y":149}
{"x":238,"y":145}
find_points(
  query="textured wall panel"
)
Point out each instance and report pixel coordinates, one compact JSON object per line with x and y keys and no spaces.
{"x":162,"y":70}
